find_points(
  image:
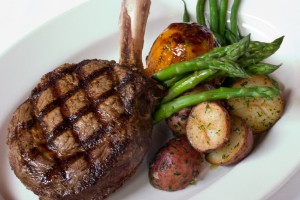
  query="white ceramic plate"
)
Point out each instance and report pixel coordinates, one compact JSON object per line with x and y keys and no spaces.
{"x":91,"y":31}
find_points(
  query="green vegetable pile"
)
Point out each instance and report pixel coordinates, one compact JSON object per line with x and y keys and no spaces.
{"x":238,"y":57}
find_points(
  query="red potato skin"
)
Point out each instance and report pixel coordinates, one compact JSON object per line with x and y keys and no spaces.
{"x":246,"y":149}
{"x":175,"y":166}
{"x":177,"y":122}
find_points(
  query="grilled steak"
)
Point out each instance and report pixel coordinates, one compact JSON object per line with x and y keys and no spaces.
{"x":86,"y":127}
{"x":83,"y":131}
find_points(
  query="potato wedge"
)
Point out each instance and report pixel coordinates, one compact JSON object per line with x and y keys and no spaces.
{"x":208,"y":126}
{"x":261,"y":114}
{"x":176,"y":165}
{"x":238,"y":146}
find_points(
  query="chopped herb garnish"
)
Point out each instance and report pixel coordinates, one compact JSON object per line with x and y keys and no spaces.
{"x":224,"y":156}
{"x":244,"y":83}
{"x":177,"y":174}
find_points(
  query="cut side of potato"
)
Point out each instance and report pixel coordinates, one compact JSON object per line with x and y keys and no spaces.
{"x":208,"y":126}
{"x":238,"y":146}
{"x":177,"y":122}
{"x":261,"y":114}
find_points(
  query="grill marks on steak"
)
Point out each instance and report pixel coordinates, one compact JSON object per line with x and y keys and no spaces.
{"x":81,"y":124}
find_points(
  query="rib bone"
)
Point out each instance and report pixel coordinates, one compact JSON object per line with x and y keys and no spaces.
{"x":133,"y":19}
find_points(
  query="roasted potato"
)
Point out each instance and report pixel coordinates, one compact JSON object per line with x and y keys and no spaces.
{"x":177,"y":43}
{"x":261,"y":114}
{"x":238,"y":146}
{"x":208,"y":126}
{"x":177,"y":122}
{"x":176,"y":165}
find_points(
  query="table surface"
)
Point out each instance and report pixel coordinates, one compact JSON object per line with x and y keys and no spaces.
{"x":17,"y":18}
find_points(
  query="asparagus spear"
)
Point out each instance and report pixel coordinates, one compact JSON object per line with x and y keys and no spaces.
{"x":172,"y":81}
{"x":259,"y":51}
{"x":257,"y":69}
{"x":165,"y":110}
{"x":232,"y":52}
{"x":200,"y":64}
{"x":187,"y":83}
{"x":262,"y":68}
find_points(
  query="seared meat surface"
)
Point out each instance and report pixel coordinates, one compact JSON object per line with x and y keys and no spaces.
{"x":84,"y":130}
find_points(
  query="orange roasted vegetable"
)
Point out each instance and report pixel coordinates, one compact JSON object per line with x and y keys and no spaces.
{"x":179,"y":42}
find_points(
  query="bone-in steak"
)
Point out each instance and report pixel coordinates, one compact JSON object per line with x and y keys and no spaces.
{"x":84,"y":130}
{"x":86,"y":127}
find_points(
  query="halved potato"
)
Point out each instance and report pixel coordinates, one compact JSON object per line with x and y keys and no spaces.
{"x":208,"y":126}
{"x":260,"y":113}
{"x":238,"y":146}
{"x":177,"y":122}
